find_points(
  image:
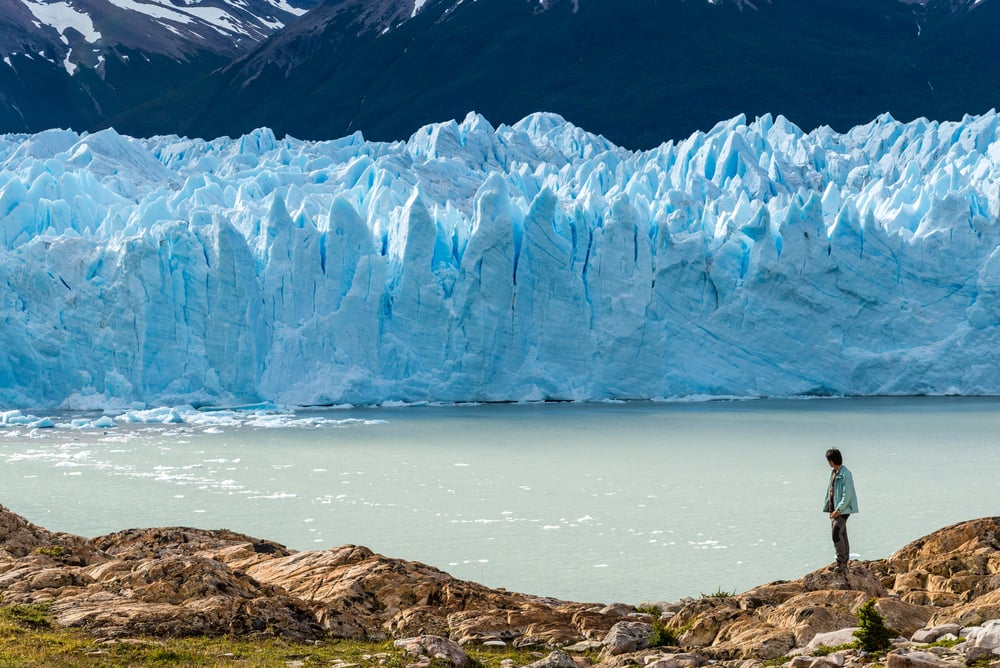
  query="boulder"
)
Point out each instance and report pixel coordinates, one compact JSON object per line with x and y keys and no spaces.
{"x":557,"y":659}
{"x":933,"y":633}
{"x":815,"y":612}
{"x":700,"y":622}
{"x":988,"y":635}
{"x":749,"y":640}
{"x":683,"y":660}
{"x":625,"y":637}
{"x":978,"y":654}
{"x":832,"y":638}
{"x":905,"y":618}
{"x":915,"y":659}
{"x":585,"y":646}
{"x":435,"y":647}
{"x":858,"y":577}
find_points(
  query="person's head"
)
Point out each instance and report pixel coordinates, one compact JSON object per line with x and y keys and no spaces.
{"x":834,"y":457}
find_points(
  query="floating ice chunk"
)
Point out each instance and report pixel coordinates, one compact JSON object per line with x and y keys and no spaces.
{"x":17,"y":418}
{"x":174,"y":415}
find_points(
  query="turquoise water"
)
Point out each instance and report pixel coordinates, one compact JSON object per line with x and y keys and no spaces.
{"x":624,"y":502}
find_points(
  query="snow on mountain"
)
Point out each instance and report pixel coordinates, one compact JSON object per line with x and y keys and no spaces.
{"x":512,"y":263}
{"x":75,"y":32}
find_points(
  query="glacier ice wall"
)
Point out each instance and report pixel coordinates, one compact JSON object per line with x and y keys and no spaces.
{"x":474,"y":263}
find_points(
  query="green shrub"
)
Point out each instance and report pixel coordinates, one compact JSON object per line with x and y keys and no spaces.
{"x":661,"y":635}
{"x":826,"y":650}
{"x":951,"y":642}
{"x":719,"y":593}
{"x":32,"y":616}
{"x":872,"y":634}
{"x":54,"y":551}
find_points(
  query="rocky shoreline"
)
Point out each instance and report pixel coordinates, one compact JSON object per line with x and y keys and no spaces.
{"x":184,"y":582}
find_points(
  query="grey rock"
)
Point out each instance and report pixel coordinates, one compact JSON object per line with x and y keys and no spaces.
{"x":934,"y":633}
{"x":829,"y":661}
{"x":627,"y":637}
{"x":584,"y":646}
{"x":557,"y":659}
{"x":974,"y":654}
{"x":832,"y":638}
{"x":915,"y":659}
{"x":683,"y":660}
{"x":988,"y":635}
{"x":435,"y":647}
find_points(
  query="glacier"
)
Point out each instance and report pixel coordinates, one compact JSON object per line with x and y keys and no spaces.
{"x":474,"y":263}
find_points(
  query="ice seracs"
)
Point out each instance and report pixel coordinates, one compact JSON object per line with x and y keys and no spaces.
{"x":525,"y":262}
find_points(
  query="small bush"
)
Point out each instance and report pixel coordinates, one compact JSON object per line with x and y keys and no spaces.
{"x":873,"y":635}
{"x":661,"y":635}
{"x":719,"y":593}
{"x":826,"y":650}
{"x":54,"y":551}
{"x":32,"y":616}
{"x":951,"y":642}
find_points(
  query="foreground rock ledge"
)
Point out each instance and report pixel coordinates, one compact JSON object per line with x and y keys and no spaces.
{"x":182,"y":581}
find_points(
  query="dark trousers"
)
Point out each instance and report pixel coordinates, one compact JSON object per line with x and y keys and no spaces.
{"x":840,"y":542}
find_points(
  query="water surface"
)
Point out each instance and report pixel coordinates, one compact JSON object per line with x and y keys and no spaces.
{"x":624,"y":502}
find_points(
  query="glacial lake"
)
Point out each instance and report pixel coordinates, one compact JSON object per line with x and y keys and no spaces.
{"x":610,"y":502}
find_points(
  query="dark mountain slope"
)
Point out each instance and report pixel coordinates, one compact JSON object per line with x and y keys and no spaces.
{"x":638,"y":72}
{"x":74,"y":64}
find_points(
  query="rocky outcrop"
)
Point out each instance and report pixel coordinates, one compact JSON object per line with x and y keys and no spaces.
{"x":181,"y":581}
{"x":949,"y":576}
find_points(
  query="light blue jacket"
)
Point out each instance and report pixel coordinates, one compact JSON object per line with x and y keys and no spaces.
{"x":845,"y":499}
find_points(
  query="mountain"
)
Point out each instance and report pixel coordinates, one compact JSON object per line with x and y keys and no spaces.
{"x":74,"y":64}
{"x":637,"y":72}
{"x":519,"y":262}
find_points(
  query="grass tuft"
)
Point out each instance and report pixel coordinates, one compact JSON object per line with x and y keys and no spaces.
{"x":29,"y":638}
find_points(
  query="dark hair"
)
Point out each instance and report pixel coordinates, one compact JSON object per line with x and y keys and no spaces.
{"x":833,"y":455}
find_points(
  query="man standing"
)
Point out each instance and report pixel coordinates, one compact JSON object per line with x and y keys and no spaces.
{"x":841,"y":502}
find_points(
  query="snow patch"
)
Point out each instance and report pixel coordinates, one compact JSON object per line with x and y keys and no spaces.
{"x":62,"y":16}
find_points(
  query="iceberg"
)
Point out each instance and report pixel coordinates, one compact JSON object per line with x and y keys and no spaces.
{"x":512,"y":263}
